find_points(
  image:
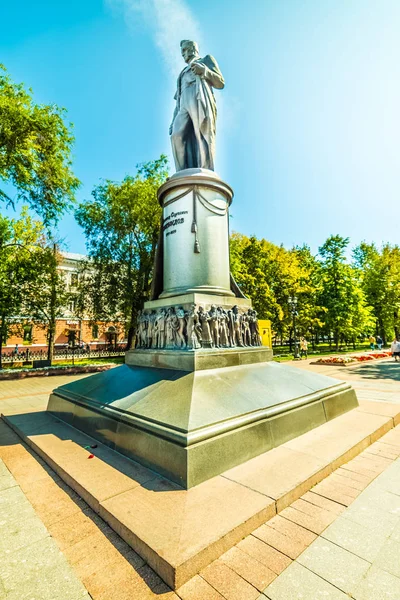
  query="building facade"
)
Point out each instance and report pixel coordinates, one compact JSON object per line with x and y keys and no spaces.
{"x":70,"y":330}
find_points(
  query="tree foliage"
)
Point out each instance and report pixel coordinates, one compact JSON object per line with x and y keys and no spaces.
{"x":270,"y":275}
{"x":46,"y":296}
{"x":121,"y":224}
{"x":330,"y":298}
{"x":347,"y":313}
{"x":380,"y":277}
{"x":35,"y":151}
{"x":19,"y":239}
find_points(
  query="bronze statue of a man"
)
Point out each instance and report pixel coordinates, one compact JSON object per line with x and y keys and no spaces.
{"x":193,"y":125}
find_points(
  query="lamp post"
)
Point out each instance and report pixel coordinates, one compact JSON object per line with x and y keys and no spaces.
{"x":293,"y":309}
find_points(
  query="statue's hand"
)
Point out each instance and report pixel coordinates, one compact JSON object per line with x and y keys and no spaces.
{"x":198,"y":68}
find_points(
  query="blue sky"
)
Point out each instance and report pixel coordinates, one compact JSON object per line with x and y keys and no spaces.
{"x":308,"y":131}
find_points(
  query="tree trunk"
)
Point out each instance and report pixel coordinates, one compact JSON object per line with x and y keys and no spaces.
{"x":382,"y":331}
{"x":50,"y":341}
{"x":3,"y":318}
{"x":336,"y":340}
{"x":52,"y":311}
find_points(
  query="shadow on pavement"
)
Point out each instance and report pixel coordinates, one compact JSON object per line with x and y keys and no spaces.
{"x":383,"y":370}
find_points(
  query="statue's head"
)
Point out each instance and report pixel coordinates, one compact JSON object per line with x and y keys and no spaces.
{"x":189,"y":50}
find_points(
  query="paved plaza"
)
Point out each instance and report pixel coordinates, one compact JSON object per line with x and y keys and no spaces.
{"x":341,"y":539}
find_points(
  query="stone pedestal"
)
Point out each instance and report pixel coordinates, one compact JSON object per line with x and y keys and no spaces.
{"x":198,"y":395}
{"x":195,"y":206}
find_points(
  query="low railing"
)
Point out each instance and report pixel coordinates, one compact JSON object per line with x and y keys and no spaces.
{"x":28,"y":355}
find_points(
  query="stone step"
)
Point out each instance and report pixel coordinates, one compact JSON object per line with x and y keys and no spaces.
{"x":179,"y":532}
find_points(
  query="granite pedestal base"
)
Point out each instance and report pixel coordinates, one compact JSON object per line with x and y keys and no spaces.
{"x":190,"y":425}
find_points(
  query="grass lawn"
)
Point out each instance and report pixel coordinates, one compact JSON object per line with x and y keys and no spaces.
{"x":117,"y":360}
{"x":282,"y":354}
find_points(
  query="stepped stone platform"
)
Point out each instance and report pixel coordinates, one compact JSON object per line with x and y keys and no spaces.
{"x":178,"y":532}
{"x":199,"y":413}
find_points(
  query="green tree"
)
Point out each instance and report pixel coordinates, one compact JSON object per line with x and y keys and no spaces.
{"x":311,"y":314}
{"x":20,"y":241}
{"x":46,"y":295}
{"x":348,"y":314}
{"x":35,"y":151}
{"x":380,"y":276}
{"x":270,"y":275}
{"x":121,"y":224}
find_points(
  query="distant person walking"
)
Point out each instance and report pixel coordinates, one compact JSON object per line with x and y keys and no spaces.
{"x":16,"y":350}
{"x":379,"y":342}
{"x":372,"y":342}
{"x":303,"y":347}
{"x":395,"y":349}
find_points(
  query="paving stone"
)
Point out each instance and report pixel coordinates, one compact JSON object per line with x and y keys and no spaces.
{"x":53,"y":502}
{"x":392,"y":437}
{"x":388,"y":558}
{"x":20,"y":533}
{"x":347,"y":481}
{"x":57,"y":583}
{"x":29,"y":562}
{"x":6,"y":479}
{"x":355,"y":538}
{"x":332,"y":492}
{"x":334,"y":564}
{"x":13,"y":504}
{"x":365,"y":466}
{"x":197,"y":588}
{"x":322,"y":502}
{"x":378,"y":585}
{"x":291,"y":529}
{"x":351,"y":475}
{"x":265,"y":554}
{"x":389,"y":482}
{"x":116,"y":574}
{"x":379,"y":449}
{"x":373,"y":462}
{"x":311,"y":509}
{"x":395,"y":533}
{"x":228,"y":583}
{"x":390,"y":446}
{"x":342,"y":488}
{"x":249,"y":568}
{"x":91,"y":554}
{"x":283,"y":543}
{"x":73,"y":529}
{"x":298,"y":583}
{"x":375,"y":496}
{"x":163,"y":592}
{"x":372,"y":518}
{"x":315,"y":523}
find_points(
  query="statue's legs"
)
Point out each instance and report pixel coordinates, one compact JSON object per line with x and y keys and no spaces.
{"x":186,"y":124}
{"x":179,"y":135}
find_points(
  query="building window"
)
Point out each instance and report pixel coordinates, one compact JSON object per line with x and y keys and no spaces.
{"x":28,"y":333}
{"x":74,"y":280}
{"x":95,"y":332}
{"x":71,"y":306}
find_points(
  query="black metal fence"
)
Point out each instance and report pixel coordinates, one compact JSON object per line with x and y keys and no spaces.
{"x":76,"y":353}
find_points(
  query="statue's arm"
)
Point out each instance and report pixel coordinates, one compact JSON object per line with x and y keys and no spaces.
{"x":175,"y":113}
{"x":213,"y":73}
